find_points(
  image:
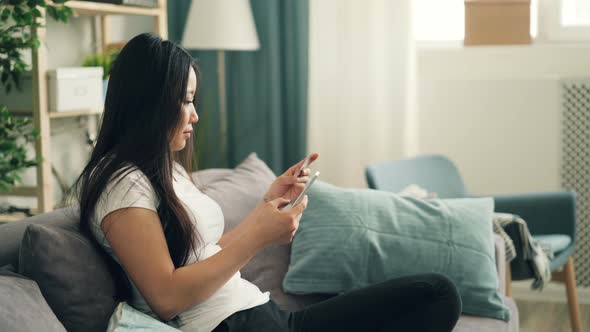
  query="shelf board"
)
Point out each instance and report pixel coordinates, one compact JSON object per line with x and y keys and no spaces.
{"x":69,"y":114}
{"x":99,"y":8}
{"x":29,"y":191}
{"x":55,"y":115}
{"x":20,"y":112}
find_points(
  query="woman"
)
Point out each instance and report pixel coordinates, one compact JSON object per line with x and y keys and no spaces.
{"x":138,"y":201}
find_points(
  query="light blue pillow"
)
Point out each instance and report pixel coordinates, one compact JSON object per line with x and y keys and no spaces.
{"x":351,"y":238}
{"x":125,"y":318}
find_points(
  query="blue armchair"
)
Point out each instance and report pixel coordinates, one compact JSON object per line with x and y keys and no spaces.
{"x":550,"y":216}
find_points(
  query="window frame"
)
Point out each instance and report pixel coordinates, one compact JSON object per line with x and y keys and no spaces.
{"x":551,"y":28}
{"x":548,"y":27}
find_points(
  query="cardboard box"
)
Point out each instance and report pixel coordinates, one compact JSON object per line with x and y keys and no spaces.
{"x":497,"y":22}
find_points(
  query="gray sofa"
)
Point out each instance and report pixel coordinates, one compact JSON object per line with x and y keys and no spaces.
{"x":43,"y":289}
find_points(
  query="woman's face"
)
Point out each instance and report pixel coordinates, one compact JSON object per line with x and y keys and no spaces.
{"x":189,"y":115}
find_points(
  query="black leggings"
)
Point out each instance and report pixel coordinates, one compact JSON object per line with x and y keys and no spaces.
{"x":425,"y":302}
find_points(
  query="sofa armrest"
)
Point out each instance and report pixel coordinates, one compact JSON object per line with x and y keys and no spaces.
{"x":500,"y":253}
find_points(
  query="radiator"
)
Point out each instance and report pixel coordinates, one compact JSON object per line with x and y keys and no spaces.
{"x":575,"y":164}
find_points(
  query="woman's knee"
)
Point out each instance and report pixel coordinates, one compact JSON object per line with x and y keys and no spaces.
{"x":444,"y":288}
{"x":441,"y":282}
{"x":446,"y":305}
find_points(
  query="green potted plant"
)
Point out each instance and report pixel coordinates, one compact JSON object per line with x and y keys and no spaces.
{"x":104,"y":60}
{"x":18,"y":18}
{"x":15,"y":134}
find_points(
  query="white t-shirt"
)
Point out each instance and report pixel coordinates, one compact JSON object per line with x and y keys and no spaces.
{"x":135,"y":190}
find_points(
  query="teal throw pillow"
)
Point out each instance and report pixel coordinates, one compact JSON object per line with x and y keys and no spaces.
{"x":352,"y":238}
{"x":125,"y":318}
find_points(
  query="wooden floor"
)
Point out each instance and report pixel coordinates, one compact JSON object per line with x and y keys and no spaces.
{"x":548,"y":317}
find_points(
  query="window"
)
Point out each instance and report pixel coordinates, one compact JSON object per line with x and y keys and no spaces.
{"x":438,"y":20}
{"x":564,"y":20}
{"x":575,"y":13}
{"x":444,"y":20}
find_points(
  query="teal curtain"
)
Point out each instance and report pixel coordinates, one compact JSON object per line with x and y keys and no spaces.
{"x":266,"y":89}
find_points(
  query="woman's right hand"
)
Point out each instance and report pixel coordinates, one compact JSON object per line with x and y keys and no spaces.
{"x":272,"y":226}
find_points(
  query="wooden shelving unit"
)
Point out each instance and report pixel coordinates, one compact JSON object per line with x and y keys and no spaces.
{"x":54,"y":115}
{"x":98,"y":8}
{"x":41,"y":115}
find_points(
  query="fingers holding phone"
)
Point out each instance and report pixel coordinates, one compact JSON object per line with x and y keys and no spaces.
{"x":295,"y":213}
{"x":298,"y":168}
{"x":281,"y":216}
{"x":291,"y":182}
{"x":302,"y":194}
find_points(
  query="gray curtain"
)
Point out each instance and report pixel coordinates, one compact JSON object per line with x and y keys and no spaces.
{"x":266,"y":89}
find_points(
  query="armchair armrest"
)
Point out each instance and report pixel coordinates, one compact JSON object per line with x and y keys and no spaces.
{"x":545,"y":213}
{"x":500,"y":251}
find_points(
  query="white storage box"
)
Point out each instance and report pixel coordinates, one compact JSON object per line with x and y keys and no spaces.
{"x":75,"y":89}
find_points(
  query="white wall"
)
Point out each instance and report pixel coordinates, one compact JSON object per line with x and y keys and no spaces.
{"x":360,"y":75}
{"x":478,"y":105}
{"x":67,"y":44}
{"x":496,"y":111}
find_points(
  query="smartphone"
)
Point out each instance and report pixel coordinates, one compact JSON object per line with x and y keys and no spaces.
{"x":305,"y":164}
{"x":302,"y":194}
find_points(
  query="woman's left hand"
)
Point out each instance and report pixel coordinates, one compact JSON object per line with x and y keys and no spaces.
{"x":288,"y":185}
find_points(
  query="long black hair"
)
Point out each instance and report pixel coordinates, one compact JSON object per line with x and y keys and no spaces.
{"x":142,"y":113}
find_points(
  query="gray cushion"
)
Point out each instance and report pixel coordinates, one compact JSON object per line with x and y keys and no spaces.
{"x":237,"y":194}
{"x":240,"y":190}
{"x":204,"y":177}
{"x":71,"y":273}
{"x":12,"y":233}
{"x":23,"y":308}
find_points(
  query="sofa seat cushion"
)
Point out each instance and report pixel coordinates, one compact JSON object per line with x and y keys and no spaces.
{"x":24,"y":309}
{"x":468,"y":323}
